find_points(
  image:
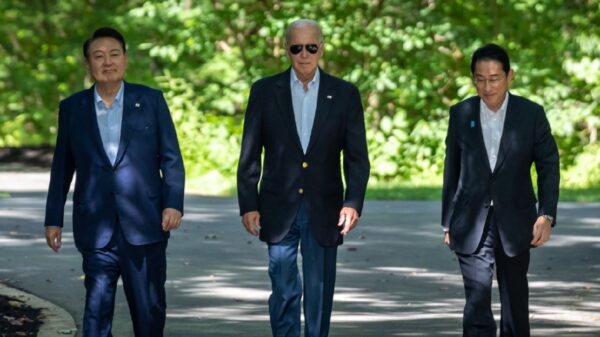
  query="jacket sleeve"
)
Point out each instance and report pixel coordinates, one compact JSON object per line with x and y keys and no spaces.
{"x":249,"y":165}
{"x":171,"y":162}
{"x":61,"y":173}
{"x":356,"y":156}
{"x":546,"y":159}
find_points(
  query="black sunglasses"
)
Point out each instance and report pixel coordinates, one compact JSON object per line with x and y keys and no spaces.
{"x":297,"y":48}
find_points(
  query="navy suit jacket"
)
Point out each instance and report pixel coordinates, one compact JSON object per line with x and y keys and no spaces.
{"x":147,"y":176}
{"x":288,"y":174}
{"x":470,"y":185}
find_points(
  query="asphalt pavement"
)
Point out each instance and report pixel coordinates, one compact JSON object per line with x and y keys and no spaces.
{"x":394,"y":275}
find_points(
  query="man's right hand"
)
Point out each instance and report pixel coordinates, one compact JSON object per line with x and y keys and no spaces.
{"x":447,"y":238}
{"x":251,"y":221}
{"x":54,"y":237}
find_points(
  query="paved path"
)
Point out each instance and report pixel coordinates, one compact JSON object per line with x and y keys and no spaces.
{"x":395,"y":278}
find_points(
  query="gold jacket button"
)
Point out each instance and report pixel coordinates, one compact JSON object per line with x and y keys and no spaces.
{"x":304,"y":165}
{"x":300,"y":190}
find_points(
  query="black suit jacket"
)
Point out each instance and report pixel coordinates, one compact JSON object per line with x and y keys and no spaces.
{"x":147,"y":177}
{"x":470,"y":185}
{"x":288,"y":175}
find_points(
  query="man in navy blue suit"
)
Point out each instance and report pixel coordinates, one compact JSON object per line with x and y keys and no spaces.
{"x":489,"y":212}
{"x":120,"y":140}
{"x":303,"y":119}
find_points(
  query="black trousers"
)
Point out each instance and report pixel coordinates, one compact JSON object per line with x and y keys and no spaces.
{"x":511,"y":273}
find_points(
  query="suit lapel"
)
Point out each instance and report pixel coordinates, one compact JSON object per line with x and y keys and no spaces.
{"x":325,"y":99}
{"x":476,"y":119}
{"x":283,"y":97}
{"x":131,"y":104}
{"x":510,"y":119}
{"x":89,"y":105}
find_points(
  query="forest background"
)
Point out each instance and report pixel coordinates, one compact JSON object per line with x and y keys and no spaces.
{"x":409,"y":59}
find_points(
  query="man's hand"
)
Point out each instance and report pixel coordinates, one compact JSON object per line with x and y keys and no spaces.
{"x":54,"y":237}
{"x":348,"y":219}
{"x":447,"y":238}
{"x":251,"y":221}
{"x":171,"y":219}
{"x":542,"y":229}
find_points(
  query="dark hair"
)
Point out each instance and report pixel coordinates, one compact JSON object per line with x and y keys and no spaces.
{"x":100,"y":33}
{"x":491,"y":52}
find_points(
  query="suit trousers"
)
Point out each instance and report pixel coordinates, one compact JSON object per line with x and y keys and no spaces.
{"x":511,"y":273}
{"x":318,"y":270}
{"x":143,"y":272}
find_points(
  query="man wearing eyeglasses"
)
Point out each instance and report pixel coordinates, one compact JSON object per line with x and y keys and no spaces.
{"x":489,"y":213}
{"x":303,"y":119}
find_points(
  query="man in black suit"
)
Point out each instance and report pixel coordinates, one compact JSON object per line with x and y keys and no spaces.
{"x":489,"y":213}
{"x":304,"y":119}
{"x":119,"y":139}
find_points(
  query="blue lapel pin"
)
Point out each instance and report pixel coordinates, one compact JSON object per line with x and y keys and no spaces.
{"x":472,"y":124}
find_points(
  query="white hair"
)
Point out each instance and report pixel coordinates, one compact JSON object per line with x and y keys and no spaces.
{"x":302,"y":23}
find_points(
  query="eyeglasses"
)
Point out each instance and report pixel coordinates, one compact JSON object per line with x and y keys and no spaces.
{"x":297,"y":48}
{"x":481,"y":82}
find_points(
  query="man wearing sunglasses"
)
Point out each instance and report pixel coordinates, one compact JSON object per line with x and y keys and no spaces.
{"x":303,"y":119}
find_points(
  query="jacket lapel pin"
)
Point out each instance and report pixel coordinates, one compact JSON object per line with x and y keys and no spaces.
{"x":472,"y":124}
{"x":329,"y":97}
{"x":137,"y":105}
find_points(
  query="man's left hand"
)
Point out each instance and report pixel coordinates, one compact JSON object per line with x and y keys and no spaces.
{"x":542,"y":229}
{"x":171,"y":219}
{"x":348,"y":219}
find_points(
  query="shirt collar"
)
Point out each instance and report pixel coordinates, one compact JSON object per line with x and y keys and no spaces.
{"x":294,"y":78}
{"x":502,"y":109}
{"x":118,"y":98}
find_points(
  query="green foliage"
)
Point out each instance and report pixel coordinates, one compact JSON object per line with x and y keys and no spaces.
{"x":410,"y":60}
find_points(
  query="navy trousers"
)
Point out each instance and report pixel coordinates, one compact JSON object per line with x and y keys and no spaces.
{"x":511,"y":273}
{"x":318,"y":269}
{"x":143,"y":271}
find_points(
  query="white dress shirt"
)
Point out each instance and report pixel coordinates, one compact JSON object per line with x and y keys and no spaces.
{"x":492,"y":125}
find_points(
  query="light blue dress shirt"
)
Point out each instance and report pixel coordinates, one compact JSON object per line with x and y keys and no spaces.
{"x":109,"y":122}
{"x":305,"y":106}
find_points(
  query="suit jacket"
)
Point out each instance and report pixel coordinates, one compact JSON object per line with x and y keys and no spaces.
{"x":147,"y":176}
{"x":289,"y":175}
{"x":470,"y":185}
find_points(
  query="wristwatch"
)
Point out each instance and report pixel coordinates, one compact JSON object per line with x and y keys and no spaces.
{"x":549,"y":218}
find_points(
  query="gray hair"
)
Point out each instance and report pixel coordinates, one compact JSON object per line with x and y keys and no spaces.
{"x":302,"y":23}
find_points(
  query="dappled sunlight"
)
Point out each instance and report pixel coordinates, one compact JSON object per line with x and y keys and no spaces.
{"x":227,"y":291}
{"x":556,"y":285}
{"x":12,"y":242}
{"x":437,"y":277}
{"x":565,"y":314}
{"x":590,"y":221}
{"x":239,"y":312}
{"x":393,"y":273}
{"x":559,"y":240}
{"x":14,"y":239}
{"x":20,"y":214}
{"x":415,"y":315}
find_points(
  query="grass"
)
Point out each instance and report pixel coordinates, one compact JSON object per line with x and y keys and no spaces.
{"x":403,"y":192}
{"x":588,"y":194}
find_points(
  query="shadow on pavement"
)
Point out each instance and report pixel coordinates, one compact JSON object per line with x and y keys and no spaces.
{"x":395,"y":277}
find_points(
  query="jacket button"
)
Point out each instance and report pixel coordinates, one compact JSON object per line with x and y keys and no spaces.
{"x":300,"y":191}
{"x":304,"y":164}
